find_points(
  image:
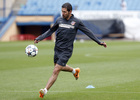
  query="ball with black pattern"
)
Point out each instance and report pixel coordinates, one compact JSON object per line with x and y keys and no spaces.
{"x":31,"y":50}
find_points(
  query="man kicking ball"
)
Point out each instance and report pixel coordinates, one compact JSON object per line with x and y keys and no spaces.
{"x":66,"y":27}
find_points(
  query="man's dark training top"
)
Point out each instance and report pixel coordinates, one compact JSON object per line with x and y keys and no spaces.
{"x":66,"y":31}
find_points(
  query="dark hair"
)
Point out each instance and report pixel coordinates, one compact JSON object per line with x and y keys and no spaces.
{"x":68,"y":6}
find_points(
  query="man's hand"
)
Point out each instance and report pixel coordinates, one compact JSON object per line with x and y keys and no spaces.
{"x":36,"y":41}
{"x":103,"y":44}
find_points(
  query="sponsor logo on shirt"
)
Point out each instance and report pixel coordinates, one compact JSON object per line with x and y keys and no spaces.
{"x":66,"y":26}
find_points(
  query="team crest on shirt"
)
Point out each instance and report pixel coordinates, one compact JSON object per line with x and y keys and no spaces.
{"x":73,"y":23}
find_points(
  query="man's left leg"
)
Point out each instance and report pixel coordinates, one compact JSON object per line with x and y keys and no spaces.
{"x":75,"y":71}
{"x":51,"y":81}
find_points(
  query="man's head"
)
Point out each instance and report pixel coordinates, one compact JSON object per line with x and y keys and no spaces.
{"x":66,"y":10}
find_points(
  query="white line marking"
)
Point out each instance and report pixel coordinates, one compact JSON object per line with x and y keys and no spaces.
{"x":68,"y":91}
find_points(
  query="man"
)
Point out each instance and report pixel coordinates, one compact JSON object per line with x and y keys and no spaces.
{"x":66,"y":28}
{"x":124,"y":5}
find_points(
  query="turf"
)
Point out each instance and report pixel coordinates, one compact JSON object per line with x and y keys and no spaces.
{"x":113,"y":71}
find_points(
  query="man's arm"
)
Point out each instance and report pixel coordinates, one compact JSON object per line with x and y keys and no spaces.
{"x":47,"y":33}
{"x":90,"y":34}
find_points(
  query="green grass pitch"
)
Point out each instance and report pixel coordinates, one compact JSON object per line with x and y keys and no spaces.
{"x":113,"y":71}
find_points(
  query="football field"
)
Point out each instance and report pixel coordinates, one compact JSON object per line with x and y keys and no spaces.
{"x":113,"y":71}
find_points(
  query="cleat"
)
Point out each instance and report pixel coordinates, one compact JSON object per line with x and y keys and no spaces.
{"x":76,"y":75}
{"x":42,"y":93}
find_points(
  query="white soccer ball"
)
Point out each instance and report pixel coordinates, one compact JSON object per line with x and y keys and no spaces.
{"x":31,"y":50}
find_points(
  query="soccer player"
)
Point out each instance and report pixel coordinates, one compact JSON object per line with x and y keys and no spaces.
{"x":66,"y":28}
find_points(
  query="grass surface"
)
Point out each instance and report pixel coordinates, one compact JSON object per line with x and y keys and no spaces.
{"x":114,"y":72}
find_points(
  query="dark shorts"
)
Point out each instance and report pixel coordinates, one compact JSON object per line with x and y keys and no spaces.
{"x":62,"y":57}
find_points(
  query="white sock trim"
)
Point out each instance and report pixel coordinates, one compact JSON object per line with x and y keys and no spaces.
{"x":73,"y":71}
{"x":45,"y":90}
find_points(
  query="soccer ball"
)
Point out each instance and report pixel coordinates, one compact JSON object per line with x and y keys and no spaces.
{"x":31,"y":50}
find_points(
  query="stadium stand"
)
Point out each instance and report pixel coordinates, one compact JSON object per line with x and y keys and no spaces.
{"x":51,"y":7}
{"x":42,"y":13}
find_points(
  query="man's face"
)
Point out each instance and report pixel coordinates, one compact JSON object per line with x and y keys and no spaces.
{"x":65,"y":13}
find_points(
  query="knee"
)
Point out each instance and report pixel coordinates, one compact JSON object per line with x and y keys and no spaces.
{"x":56,"y":70}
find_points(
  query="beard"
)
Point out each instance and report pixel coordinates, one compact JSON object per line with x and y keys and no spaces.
{"x":66,"y":16}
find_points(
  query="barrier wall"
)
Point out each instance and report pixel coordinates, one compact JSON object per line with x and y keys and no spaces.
{"x":131,"y":20}
{"x":133,"y":28}
{"x":11,"y":28}
{"x":107,"y":28}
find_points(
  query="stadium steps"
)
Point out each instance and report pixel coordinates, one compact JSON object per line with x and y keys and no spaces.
{"x":6,"y":26}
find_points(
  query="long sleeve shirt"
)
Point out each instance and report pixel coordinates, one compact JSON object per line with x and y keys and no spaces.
{"x":66,"y":31}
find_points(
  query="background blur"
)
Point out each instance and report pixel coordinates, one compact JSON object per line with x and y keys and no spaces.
{"x":108,"y":19}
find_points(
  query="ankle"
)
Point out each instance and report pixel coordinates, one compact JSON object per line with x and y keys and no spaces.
{"x":73,"y":71}
{"x":45,"y":90}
